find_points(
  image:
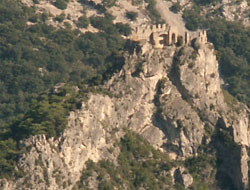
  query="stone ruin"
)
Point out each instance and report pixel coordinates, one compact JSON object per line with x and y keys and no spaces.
{"x":162,"y":35}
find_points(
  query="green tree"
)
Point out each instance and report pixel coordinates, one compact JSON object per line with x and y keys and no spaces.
{"x":131,"y":15}
{"x":83,"y":22}
{"x":123,"y":29}
{"x":109,"y":3}
{"x":175,"y":8}
{"x":61,"y":4}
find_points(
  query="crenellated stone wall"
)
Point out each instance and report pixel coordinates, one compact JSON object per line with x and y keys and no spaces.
{"x":164,"y":35}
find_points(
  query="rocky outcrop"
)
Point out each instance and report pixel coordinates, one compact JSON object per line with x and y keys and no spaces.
{"x":236,"y":11}
{"x":182,"y":177}
{"x":170,"y":96}
{"x":58,"y":163}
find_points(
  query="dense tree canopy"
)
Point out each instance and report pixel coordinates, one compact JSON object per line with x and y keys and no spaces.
{"x":36,"y":57}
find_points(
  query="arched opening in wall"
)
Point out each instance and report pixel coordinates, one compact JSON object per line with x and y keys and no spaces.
{"x":164,"y":40}
{"x":180,"y":41}
{"x":174,"y":38}
{"x":151,"y":39}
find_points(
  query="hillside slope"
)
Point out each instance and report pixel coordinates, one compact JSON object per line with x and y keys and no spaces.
{"x":128,"y":115}
{"x":173,"y":99}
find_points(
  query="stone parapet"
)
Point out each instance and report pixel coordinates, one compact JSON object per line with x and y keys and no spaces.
{"x":164,"y":35}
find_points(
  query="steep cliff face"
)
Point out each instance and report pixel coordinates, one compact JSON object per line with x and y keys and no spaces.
{"x":172,"y":97}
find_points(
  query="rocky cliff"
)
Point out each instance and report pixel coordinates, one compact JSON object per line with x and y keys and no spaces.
{"x":172,"y":97}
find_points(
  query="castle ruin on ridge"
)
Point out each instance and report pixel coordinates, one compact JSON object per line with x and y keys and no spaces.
{"x":163,"y":35}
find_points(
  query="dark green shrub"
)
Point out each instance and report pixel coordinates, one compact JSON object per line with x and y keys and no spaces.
{"x":131,"y":15}
{"x":137,"y":2}
{"x":44,"y":17}
{"x":8,"y":157}
{"x":109,"y":3}
{"x":60,"y":17}
{"x":100,"y":8}
{"x":83,"y":22}
{"x":192,"y":18}
{"x":175,"y":8}
{"x":153,"y":13}
{"x":193,"y":55}
{"x":205,"y":2}
{"x":138,"y":69}
{"x":33,"y":18}
{"x":123,"y":29}
{"x":36,"y":1}
{"x":191,"y":65}
{"x":67,"y":25}
{"x":101,"y":23}
{"x":61,"y":4}
{"x":132,"y":46}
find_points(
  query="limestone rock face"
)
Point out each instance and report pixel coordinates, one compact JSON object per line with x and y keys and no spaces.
{"x":236,"y":11}
{"x":200,"y":81}
{"x":57,"y":163}
{"x":183,"y":178}
{"x":169,"y":96}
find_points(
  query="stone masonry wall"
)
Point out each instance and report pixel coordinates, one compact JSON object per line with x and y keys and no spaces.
{"x":163,"y":35}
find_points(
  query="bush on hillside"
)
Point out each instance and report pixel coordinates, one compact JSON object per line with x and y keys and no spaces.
{"x":109,"y":3}
{"x":131,"y":15}
{"x":175,"y":8}
{"x":123,"y":29}
{"x":83,"y":22}
{"x":61,"y":4}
